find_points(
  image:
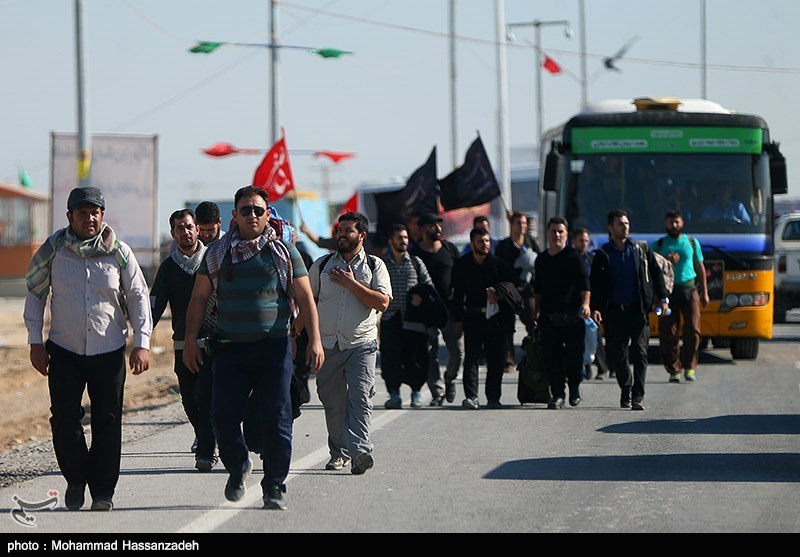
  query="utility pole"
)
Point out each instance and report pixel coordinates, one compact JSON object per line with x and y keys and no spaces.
{"x":453,"y":111}
{"x":273,"y":56}
{"x":83,"y":150}
{"x":503,"y":135}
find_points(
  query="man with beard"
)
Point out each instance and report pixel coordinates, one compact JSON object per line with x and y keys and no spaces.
{"x":351,"y":287}
{"x":97,"y":286}
{"x":209,"y":222}
{"x":439,"y":256}
{"x":404,"y":344}
{"x":173,"y":285}
{"x":260,"y":283}
{"x":475,"y":276}
{"x":626,"y":285}
{"x":689,"y":293}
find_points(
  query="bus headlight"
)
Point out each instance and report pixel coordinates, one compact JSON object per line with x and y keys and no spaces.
{"x":748,"y":299}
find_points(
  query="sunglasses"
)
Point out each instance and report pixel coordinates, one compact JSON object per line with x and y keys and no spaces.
{"x":248,"y":210}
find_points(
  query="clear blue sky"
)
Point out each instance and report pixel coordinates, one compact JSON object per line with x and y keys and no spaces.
{"x":388,"y":102}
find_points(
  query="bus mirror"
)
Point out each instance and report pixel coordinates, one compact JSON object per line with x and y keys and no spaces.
{"x":550,"y":171}
{"x":777,"y":170}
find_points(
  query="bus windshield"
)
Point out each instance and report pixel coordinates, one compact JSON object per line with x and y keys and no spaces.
{"x":715,"y":193}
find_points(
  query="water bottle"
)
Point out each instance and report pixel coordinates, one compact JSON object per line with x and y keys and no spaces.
{"x":659,"y":312}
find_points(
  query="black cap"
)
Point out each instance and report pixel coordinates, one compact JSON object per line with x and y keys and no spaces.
{"x":429,"y":218}
{"x":85,"y":196}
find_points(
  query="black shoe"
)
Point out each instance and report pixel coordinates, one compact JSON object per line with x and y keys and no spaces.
{"x":637,"y":404}
{"x":494,"y":405}
{"x":555,"y":404}
{"x":74,"y":496}
{"x":102,"y":504}
{"x":194,"y":445}
{"x":361,"y":464}
{"x":624,"y":403}
{"x":205,"y":463}
{"x":600,"y":376}
{"x":273,"y":499}
{"x":450,"y":392}
{"x":235,"y":488}
{"x":575,"y":399}
{"x":437,"y":401}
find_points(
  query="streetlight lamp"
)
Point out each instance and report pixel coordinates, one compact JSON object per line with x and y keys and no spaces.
{"x":537,"y":25}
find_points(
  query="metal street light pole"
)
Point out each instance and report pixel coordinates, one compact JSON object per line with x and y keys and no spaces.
{"x":537,"y":25}
{"x":273,"y":56}
{"x":83,"y":152}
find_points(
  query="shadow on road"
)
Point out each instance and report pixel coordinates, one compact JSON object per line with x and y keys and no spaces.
{"x":762,"y":424}
{"x":702,"y":467}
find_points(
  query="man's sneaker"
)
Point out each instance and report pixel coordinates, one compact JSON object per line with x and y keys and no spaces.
{"x":637,"y":404}
{"x":361,"y":463}
{"x":625,"y":403}
{"x":273,"y":498}
{"x":470,"y":404}
{"x":450,"y":391}
{"x":494,"y":405}
{"x":337,"y":463}
{"x":235,"y":488}
{"x":556,"y":404}
{"x":689,"y":375}
{"x":437,"y":401}
{"x":394,"y":402}
{"x":601,"y":376}
{"x":416,"y":399}
{"x":674,"y":377}
{"x":102,"y":504}
{"x":205,"y":463}
{"x":74,"y":496}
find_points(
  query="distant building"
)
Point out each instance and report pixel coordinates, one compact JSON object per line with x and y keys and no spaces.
{"x":23,"y":228}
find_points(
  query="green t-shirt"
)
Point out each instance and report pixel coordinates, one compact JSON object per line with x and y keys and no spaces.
{"x":689,"y":251}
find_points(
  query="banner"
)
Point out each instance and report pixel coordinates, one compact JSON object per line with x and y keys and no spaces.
{"x":274,"y":174}
{"x":418,"y":196}
{"x":471,"y":184}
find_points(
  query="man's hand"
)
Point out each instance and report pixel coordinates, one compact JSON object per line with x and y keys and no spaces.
{"x":315,"y":355}
{"x":597,"y":316}
{"x":703,"y":298}
{"x":584,"y":311}
{"x":40,"y":359}
{"x":458,"y":327}
{"x":192,"y":355}
{"x":416,"y":300}
{"x":343,"y":276}
{"x":303,"y":228}
{"x":139,"y":360}
{"x":492,"y":296}
{"x":674,"y":257}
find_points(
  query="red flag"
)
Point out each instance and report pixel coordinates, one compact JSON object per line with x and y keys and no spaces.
{"x":221,"y":150}
{"x":335,"y":156}
{"x":274,"y":174}
{"x":551,"y":65}
{"x":350,"y":207}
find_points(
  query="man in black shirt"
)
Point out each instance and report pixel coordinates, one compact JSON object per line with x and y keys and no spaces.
{"x":475,"y":276}
{"x":173,"y":285}
{"x":561,"y":291}
{"x":439,"y":256}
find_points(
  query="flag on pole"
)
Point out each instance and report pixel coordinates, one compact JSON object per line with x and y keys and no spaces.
{"x":471,"y":184}
{"x":274,"y":174}
{"x":351,"y":206}
{"x":551,"y":65}
{"x":418,"y":196}
{"x":24,"y":178}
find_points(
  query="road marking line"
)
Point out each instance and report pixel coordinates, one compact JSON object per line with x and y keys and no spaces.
{"x":211,"y":520}
{"x":797,"y":365}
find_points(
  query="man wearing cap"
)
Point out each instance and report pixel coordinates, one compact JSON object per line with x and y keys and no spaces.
{"x":95,"y":281}
{"x":439,"y":256}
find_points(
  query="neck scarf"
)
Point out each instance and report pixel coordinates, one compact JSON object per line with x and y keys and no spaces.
{"x":189,"y":263}
{"x":38,"y":278}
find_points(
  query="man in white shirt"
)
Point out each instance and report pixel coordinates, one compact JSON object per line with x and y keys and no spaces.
{"x":95,"y":281}
{"x":351,"y":288}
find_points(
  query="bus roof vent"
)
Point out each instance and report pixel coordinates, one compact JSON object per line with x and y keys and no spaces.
{"x":657,"y":103}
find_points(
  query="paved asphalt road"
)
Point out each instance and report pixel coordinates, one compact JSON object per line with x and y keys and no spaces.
{"x":719,"y":455}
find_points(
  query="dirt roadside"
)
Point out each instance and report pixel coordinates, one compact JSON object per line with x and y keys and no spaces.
{"x":23,"y":391}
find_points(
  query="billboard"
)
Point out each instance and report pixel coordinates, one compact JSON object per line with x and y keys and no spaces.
{"x":123,"y":166}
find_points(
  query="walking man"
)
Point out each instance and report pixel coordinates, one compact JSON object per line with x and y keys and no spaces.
{"x":561,"y":290}
{"x":439,"y":256}
{"x":351,"y":287}
{"x":476,"y":277}
{"x":259,"y":282}
{"x":581,"y":239}
{"x":689,"y":293}
{"x":209,"y":222}
{"x":173,"y":285}
{"x":626,"y":285}
{"x":95,"y":282}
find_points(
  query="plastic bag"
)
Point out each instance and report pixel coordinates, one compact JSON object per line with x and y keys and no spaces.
{"x":590,"y":341}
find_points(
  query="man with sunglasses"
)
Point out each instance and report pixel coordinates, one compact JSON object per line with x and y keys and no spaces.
{"x":259,"y":282}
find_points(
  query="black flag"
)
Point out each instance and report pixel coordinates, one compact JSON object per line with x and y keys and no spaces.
{"x":418,"y":196}
{"x":472,"y":184}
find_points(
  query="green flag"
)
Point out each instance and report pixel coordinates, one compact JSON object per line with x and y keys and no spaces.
{"x":24,"y":178}
{"x":205,"y":47}
{"x":329,"y":52}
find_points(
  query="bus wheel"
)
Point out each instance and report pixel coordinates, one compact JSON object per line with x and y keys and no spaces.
{"x":744,"y":348}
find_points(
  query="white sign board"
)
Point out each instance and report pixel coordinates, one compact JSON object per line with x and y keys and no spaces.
{"x":123,"y":167}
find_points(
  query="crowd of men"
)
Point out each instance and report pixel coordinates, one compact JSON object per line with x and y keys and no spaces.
{"x":254,"y":316}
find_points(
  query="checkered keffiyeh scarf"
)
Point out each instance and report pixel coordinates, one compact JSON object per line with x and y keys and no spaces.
{"x":38,"y":277}
{"x":242,"y":250}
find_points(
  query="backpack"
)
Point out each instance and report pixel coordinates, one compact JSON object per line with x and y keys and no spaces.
{"x":666,"y":266}
{"x":370,"y":262}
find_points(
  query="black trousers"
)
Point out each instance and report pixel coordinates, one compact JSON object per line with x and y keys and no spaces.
{"x":196,"y":399}
{"x":562,"y":350}
{"x":627,"y":339}
{"x":485,"y":337}
{"x":104,"y":376}
{"x":404,"y":355}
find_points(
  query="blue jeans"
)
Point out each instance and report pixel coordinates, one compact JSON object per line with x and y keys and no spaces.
{"x":264,"y":367}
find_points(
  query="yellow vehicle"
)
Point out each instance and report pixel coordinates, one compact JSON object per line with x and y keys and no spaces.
{"x":719,"y":168}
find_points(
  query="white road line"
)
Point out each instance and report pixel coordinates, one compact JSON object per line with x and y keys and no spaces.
{"x":212,"y":520}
